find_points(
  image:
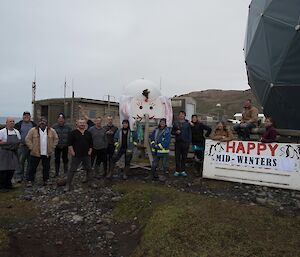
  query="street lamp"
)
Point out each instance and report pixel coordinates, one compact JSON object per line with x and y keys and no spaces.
{"x":218,"y":105}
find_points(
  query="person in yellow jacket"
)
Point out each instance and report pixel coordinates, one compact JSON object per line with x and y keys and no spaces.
{"x":125,"y":141}
{"x":160,"y":143}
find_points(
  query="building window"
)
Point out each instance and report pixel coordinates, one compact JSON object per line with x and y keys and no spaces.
{"x":93,"y":114}
{"x":176,"y":103}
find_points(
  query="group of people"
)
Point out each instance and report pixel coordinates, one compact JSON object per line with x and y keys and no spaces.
{"x":25,"y":144}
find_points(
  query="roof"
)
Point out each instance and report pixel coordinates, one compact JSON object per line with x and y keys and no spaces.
{"x":76,"y":99}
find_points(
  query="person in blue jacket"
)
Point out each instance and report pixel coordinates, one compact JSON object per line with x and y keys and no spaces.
{"x":160,"y":143}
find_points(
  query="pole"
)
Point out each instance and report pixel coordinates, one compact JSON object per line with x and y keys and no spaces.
{"x":65,"y":91}
{"x":72,"y":110}
{"x":146,"y":139}
{"x":33,"y":97}
{"x":108,"y":104}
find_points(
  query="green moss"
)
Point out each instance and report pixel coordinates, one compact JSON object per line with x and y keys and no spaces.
{"x":4,"y":239}
{"x":183,"y":224}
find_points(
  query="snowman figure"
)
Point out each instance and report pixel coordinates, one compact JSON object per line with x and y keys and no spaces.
{"x":143,"y":97}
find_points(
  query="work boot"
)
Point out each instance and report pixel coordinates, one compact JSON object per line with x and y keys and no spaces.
{"x":97,"y":172}
{"x":56,"y":170}
{"x":65,"y":168}
{"x":110,"y":172}
{"x":87,"y":176}
{"x":70,"y":176}
{"x":125,"y":172}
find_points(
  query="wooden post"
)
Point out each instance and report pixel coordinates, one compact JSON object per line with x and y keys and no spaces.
{"x":146,"y":139}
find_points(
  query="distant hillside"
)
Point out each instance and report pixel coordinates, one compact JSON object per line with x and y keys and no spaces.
{"x":231,"y":101}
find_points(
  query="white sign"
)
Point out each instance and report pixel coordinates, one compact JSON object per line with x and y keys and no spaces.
{"x":269,"y":164}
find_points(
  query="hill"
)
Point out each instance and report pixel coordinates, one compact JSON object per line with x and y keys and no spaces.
{"x":231,"y":101}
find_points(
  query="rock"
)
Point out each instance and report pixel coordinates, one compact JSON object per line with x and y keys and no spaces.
{"x":116,"y":199}
{"x":109,"y":235}
{"x":261,"y":200}
{"x":273,"y":203}
{"x":133,"y":227}
{"x":55,"y":199}
{"x":61,"y":182}
{"x":77,"y":218}
{"x":59,"y":243}
{"x":27,"y":197}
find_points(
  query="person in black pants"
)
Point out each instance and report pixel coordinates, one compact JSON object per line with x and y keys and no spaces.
{"x":41,"y":141}
{"x":61,"y":149}
{"x":198,"y":140}
{"x":99,"y":147}
{"x":110,"y":133}
{"x":183,"y":137}
{"x":80,"y":147}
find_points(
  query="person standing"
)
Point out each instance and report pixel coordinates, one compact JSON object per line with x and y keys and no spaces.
{"x":160,"y":143}
{"x":10,"y":139}
{"x":125,"y":141}
{"x":110,"y":133}
{"x":183,"y":137}
{"x":249,"y":121}
{"x":61,"y":150}
{"x":99,"y":154}
{"x":23,"y":127}
{"x":80,"y":148}
{"x":198,"y":139}
{"x":41,"y":141}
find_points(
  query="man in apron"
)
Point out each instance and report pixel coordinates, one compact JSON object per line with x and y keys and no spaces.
{"x":10,"y":139}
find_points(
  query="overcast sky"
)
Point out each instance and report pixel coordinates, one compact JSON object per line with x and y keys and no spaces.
{"x":102,"y":45}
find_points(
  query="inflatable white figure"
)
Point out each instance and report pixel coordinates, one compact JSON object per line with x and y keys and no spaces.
{"x":143,"y":97}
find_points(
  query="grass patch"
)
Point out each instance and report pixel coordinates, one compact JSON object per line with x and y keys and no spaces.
{"x":184,"y":224}
{"x":12,"y":209}
{"x":4,"y":240}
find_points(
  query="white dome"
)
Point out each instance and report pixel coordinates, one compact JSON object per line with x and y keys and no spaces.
{"x":136,"y":88}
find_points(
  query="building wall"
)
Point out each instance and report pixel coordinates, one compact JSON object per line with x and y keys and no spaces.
{"x":90,"y":110}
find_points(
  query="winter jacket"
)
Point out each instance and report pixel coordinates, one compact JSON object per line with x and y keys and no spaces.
{"x":185,"y":128}
{"x":160,"y":141}
{"x":197,"y":133}
{"x":131,"y":140}
{"x":250,"y":115}
{"x":222,"y":135}
{"x":33,"y":141}
{"x":63,"y":134}
{"x":269,"y":136}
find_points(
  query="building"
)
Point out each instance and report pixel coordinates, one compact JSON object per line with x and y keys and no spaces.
{"x":74,"y":108}
{"x":184,"y":103}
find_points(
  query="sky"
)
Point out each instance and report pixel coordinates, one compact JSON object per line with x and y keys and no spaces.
{"x":99,"y":46}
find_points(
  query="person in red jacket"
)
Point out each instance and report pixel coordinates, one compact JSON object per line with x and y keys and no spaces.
{"x":270,"y":134}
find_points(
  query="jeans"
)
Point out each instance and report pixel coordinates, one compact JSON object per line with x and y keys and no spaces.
{"x":34,"y":163}
{"x":117,"y":156}
{"x":244,"y":133}
{"x":181,"y":152}
{"x":165,"y":163}
{"x":75,"y":162}
{"x":24,"y":156}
